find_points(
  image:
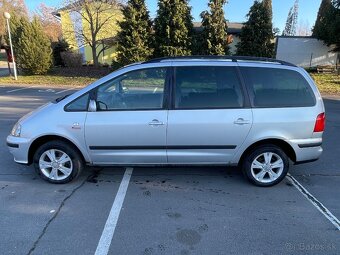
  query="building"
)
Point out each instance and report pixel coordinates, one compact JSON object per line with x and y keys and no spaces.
{"x":234,"y":30}
{"x":75,"y":27}
{"x":305,"y":51}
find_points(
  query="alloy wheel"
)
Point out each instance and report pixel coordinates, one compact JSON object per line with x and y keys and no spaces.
{"x":267,"y":167}
{"x":55,"y":164}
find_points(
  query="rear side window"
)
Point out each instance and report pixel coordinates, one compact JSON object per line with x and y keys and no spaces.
{"x":204,"y":87}
{"x":271,"y":87}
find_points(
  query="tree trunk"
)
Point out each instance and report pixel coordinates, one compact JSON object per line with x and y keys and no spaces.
{"x":94,"y":54}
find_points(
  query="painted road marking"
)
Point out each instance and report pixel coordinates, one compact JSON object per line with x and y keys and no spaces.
{"x":46,"y":90}
{"x":111,"y":222}
{"x":14,"y":90}
{"x":314,"y":201}
{"x":64,"y":90}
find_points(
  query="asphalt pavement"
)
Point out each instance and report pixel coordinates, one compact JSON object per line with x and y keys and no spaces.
{"x":165,"y":210}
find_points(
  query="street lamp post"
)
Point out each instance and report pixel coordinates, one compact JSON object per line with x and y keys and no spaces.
{"x":7,"y":17}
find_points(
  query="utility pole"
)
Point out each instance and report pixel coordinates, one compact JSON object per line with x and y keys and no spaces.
{"x":7,"y":17}
{"x":292,"y":19}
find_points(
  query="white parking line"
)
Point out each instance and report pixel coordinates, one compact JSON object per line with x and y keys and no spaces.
{"x":14,"y":90}
{"x":111,"y":222}
{"x":64,"y":90}
{"x":314,"y":201}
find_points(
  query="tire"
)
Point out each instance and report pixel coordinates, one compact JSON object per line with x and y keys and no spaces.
{"x":258,"y":165}
{"x":57,"y":162}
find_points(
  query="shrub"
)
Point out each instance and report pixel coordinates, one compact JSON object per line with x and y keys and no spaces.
{"x":58,"y":48}
{"x":71,"y":59}
{"x":116,"y":65}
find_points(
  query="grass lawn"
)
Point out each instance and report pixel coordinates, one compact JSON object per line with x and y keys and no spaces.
{"x":48,"y":80}
{"x":328,"y":84}
{"x":61,"y":77}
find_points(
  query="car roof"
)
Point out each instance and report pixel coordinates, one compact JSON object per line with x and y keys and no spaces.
{"x":243,"y":59}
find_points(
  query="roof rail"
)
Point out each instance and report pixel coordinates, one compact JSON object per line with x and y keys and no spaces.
{"x":231,"y":58}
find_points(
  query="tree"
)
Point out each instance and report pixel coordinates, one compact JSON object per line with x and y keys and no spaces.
{"x":173,"y":28}
{"x":215,"y":29}
{"x":33,"y":48}
{"x":16,"y":7}
{"x":269,"y":6}
{"x":257,"y":33}
{"x":327,"y":25}
{"x":50,"y":24}
{"x":336,"y":25}
{"x":134,"y":38}
{"x":324,"y":21}
{"x":95,"y":23}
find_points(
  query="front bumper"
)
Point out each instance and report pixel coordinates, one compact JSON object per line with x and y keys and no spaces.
{"x":18,"y":147}
{"x":307,"y":150}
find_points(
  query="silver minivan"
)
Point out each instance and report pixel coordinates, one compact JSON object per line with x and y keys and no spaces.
{"x":259,"y":114}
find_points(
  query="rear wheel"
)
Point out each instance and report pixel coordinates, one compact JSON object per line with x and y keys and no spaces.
{"x":266,"y":165}
{"x":57,"y":162}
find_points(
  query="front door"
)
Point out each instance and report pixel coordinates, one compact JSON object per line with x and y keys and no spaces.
{"x":208,"y":122}
{"x":129,"y":126}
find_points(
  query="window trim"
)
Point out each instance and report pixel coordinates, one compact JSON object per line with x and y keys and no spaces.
{"x":251,"y":96}
{"x":165,"y":103}
{"x":245,"y":102}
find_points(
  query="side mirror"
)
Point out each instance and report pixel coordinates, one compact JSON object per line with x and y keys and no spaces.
{"x":92,"y":106}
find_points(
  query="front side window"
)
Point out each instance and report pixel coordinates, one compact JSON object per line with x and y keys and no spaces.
{"x":274,"y":87}
{"x":136,"y":90}
{"x":204,"y":87}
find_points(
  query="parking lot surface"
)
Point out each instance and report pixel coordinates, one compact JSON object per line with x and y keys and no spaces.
{"x":165,"y":210}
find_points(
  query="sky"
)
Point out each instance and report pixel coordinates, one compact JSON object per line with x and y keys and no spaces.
{"x":235,"y":10}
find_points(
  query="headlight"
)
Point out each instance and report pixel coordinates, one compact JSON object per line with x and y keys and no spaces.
{"x":16,"y":130}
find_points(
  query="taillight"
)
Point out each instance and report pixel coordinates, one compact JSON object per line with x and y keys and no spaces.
{"x":320,"y":123}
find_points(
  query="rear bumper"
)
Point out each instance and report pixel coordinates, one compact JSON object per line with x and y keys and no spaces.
{"x":306,"y":150}
{"x":18,"y":147}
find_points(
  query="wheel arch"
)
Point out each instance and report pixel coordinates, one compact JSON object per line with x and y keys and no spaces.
{"x":286,"y":147}
{"x":47,"y":138}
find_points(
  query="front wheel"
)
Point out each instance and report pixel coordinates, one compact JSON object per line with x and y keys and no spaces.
{"x":266,"y":165}
{"x":57,"y":162}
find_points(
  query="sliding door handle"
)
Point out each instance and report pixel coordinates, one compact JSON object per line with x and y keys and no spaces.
{"x":156,"y":123}
{"x":241,"y":121}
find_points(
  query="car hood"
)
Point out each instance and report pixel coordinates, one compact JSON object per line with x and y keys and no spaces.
{"x":33,"y":113}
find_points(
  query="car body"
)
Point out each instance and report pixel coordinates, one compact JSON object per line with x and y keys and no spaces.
{"x":182,"y":111}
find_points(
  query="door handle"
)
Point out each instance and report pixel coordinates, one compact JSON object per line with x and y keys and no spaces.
{"x":76,"y":125}
{"x":241,"y":121}
{"x":156,"y":123}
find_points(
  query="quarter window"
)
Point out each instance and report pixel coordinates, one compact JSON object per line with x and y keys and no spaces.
{"x":202,"y":87}
{"x":79,"y":105}
{"x":136,"y":90}
{"x":273,"y":87}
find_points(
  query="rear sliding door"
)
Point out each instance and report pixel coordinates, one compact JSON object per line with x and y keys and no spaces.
{"x":208,"y":121}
